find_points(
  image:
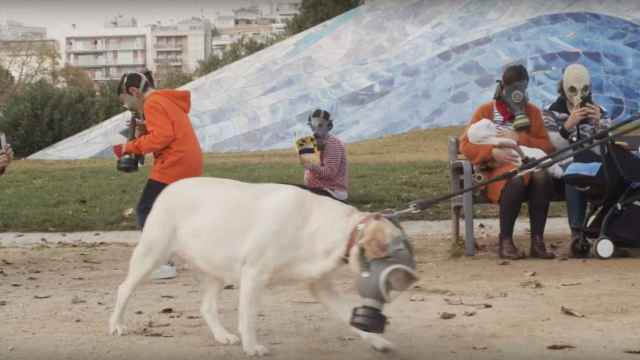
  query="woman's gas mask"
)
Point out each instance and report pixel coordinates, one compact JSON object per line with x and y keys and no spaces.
{"x":576,"y":85}
{"x":382,"y":280}
{"x":515,"y":96}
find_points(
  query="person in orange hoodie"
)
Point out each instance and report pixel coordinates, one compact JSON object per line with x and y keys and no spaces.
{"x":169,"y":136}
{"x":521,"y":121}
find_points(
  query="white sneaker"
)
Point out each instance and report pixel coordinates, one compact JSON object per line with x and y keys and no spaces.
{"x":167,"y":271}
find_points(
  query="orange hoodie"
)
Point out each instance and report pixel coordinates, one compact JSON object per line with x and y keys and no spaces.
{"x":171,"y":139}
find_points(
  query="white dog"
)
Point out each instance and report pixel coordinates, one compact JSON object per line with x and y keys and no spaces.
{"x":255,"y":234}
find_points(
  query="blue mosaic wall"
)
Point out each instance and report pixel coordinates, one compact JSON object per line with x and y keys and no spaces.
{"x":389,"y":67}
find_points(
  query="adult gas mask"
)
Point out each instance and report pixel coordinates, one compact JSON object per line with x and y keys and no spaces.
{"x":381,"y":280}
{"x":515,"y":96}
{"x":576,"y":85}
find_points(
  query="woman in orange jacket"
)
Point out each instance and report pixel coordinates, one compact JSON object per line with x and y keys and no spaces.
{"x":521,"y":121}
{"x":169,"y":136}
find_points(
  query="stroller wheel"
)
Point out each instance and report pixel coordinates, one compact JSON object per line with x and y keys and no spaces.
{"x":603,"y":248}
{"x":579,"y":248}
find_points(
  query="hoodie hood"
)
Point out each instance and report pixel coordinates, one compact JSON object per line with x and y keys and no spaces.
{"x":181,"y":98}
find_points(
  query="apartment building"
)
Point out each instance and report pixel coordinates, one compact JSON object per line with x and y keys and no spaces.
{"x":16,"y":31}
{"x":257,"y":22}
{"x":121,"y":46}
{"x":26,"y":52}
{"x":181,"y":45}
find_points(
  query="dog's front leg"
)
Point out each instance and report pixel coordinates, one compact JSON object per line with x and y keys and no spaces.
{"x":212,"y":287}
{"x":252,"y":283}
{"x":325,"y":293}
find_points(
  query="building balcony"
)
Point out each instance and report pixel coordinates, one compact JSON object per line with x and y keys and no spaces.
{"x":86,"y":50}
{"x":168,"y":47}
{"x":100,"y":49}
{"x":126,"y":63}
{"x":168,"y":61}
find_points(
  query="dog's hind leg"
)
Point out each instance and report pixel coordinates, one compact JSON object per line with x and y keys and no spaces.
{"x":211,"y":288}
{"x":252,"y":283}
{"x":325,"y":293}
{"x":146,"y":256}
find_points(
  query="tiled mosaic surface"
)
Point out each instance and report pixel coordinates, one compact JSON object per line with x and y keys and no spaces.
{"x":392,"y":66}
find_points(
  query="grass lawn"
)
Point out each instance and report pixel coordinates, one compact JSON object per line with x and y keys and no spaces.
{"x":91,"y":195}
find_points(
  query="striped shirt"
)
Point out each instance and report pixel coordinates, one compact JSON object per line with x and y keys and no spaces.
{"x":332,"y":172}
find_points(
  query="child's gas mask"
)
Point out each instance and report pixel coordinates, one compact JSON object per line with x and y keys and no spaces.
{"x":320,"y":123}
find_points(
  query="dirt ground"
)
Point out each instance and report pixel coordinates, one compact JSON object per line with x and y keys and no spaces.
{"x":56,"y":298}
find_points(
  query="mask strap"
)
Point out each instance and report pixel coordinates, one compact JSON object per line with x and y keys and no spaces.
{"x":143,"y":82}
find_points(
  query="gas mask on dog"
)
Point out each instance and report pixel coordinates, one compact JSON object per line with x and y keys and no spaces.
{"x":576,"y":84}
{"x":515,"y":96}
{"x":381,"y":280}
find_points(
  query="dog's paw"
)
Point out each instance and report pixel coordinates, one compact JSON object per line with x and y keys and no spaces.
{"x":378,"y":342}
{"x":226,"y":338}
{"x":117,"y":330}
{"x":256,"y":350}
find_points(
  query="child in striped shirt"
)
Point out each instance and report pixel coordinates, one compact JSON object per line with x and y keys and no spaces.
{"x":329,"y":177}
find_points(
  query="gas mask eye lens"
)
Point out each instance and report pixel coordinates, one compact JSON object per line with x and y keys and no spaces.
{"x":586,"y":89}
{"x":573,"y":90}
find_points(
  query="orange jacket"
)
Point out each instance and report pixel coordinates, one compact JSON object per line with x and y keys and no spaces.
{"x":170,"y":137}
{"x":535,"y":137}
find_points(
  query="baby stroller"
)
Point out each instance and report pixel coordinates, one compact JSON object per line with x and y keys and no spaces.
{"x":611,"y":183}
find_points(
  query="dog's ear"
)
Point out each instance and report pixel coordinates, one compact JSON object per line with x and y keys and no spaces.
{"x":375,"y":239}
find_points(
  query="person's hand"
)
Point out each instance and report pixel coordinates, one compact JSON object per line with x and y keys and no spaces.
{"x":507,"y":144}
{"x":594,"y":113}
{"x":508,"y":134}
{"x":118,"y":151}
{"x":504,"y":156}
{"x":306,"y":160}
{"x":576,"y":116}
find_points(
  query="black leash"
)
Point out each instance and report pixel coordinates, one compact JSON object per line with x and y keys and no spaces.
{"x":531,"y":165}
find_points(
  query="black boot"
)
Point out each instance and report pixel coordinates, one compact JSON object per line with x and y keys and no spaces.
{"x":538,"y":250}
{"x":508,"y":250}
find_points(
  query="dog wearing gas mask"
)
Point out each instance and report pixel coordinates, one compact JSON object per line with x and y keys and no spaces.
{"x":261,"y":234}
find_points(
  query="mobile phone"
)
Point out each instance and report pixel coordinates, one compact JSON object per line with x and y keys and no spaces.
{"x":586,"y":100}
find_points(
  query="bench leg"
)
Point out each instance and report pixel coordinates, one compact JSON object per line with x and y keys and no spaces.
{"x":469,"y":238}
{"x":467,"y":204}
{"x":455,"y":223}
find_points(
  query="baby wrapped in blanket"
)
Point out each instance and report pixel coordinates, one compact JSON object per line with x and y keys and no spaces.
{"x":486,"y":132}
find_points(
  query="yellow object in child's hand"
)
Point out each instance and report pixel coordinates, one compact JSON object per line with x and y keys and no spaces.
{"x":307,"y":150}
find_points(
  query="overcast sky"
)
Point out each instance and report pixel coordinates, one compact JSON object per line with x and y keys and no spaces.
{"x":58,"y":15}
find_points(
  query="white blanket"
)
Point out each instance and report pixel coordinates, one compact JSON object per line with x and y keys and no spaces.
{"x":485,"y":132}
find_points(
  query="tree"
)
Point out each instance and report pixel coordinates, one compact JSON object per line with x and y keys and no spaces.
{"x":107,"y":101}
{"x":7,"y":83}
{"x":73,"y":76}
{"x":237,"y":50}
{"x":314,"y":12}
{"x":42,"y":113}
{"x":170,"y":77}
{"x":29,"y":61}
